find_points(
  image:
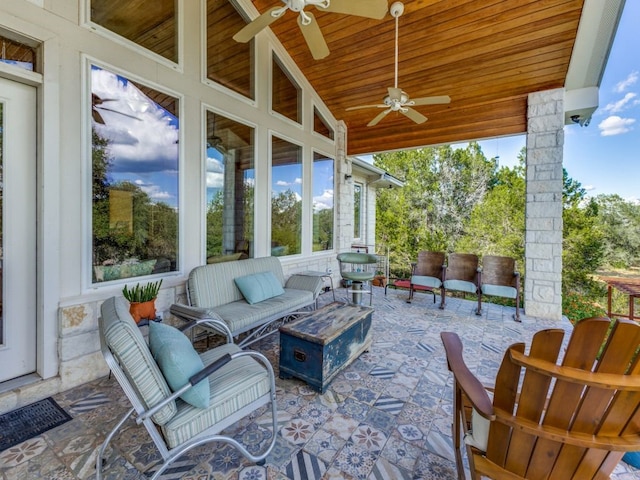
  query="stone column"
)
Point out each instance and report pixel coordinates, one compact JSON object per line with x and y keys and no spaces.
{"x":543,"y":211}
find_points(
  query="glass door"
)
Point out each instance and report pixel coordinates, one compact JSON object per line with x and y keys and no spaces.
{"x":18,"y":232}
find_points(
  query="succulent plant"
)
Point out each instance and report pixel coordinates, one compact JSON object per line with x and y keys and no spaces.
{"x":142,"y":293}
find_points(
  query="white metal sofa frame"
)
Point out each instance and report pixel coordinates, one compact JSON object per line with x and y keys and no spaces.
{"x":155,"y":406}
{"x":212,"y":295}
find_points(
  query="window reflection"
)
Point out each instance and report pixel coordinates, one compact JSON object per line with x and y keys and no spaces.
{"x":134,"y":178}
{"x":357,"y":209}
{"x":321,"y":126}
{"x":230,"y":189}
{"x":17,"y":54}
{"x":322,"y":202}
{"x":286,"y":94}
{"x":229,"y":63}
{"x":152,"y":25}
{"x":286,"y":198}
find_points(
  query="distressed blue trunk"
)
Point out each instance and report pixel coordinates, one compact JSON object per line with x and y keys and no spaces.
{"x":317,"y":347}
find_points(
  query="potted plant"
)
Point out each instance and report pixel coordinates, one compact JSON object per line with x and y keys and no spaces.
{"x":142,"y":300}
{"x":380,"y":279}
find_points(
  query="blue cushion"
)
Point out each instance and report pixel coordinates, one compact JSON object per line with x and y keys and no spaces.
{"x":178,"y":361}
{"x":460,"y":285}
{"x":499,"y":291}
{"x":425,"y":281}
{"x":259,"y":286}
{"x":632,"y":458}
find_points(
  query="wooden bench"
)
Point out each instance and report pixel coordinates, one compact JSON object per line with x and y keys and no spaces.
{"x":317,"y":347}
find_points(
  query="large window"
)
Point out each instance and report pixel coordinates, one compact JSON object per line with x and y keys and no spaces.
{"x":322,"y":202}
{"x":134,"y":178}
{"x":286,"y":198}
{"x":152,"y":25}
{"x":357,"y":211}
{"x":230,"y":188}
{"x":229,"y":63}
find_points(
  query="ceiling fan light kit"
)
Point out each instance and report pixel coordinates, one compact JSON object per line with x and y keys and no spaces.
{"x":397,"y":100}
{"x":307,"y":23}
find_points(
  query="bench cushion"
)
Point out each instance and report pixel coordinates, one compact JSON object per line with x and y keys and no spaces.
{"x":236,"y":385}
{"x":242,"y":316}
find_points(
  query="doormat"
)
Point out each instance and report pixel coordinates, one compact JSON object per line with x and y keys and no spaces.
{"x":30,"y":421}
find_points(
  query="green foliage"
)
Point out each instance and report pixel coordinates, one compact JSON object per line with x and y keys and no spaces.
{"x":621,"y":220}
{"x":442,"y":186}
{"x":323,"y":229}
{"x":577,"y":307}
{"x":142,"y":293}
{"x":286,"y":221}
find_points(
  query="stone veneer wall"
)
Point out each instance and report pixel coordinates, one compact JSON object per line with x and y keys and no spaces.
{"x":543,"y":211}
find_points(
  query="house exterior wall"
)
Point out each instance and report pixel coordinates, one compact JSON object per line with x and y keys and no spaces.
{"x":68,"y":349}
{"x":543,"y":208}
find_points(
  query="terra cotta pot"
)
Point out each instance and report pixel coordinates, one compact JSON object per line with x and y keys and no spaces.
{"x":143,"y":310}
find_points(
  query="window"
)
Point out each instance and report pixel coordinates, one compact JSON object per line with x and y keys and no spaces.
{"x":230,"y":188}
{"x":286,"y":198}
{"x":286,"y":94}
{"x":135,"y":133}
{"x":321,"y":126}
{"x":152,"y":25}
{"x":357,"y":211}
{"x":17,"y":54}
{"x":322,"y":202}
{"x":229,"y":63}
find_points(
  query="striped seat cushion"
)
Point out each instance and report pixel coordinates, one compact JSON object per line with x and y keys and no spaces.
{"x":130,"y":349}
{"x":236,"y":385}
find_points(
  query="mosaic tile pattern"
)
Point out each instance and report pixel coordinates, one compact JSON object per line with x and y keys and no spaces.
{"x":387,"y":416}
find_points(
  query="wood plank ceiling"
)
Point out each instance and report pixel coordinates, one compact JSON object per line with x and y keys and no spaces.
{"x":487,"y":55}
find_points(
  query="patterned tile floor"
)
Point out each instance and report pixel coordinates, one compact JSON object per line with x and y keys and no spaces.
{"x":386,"y":416}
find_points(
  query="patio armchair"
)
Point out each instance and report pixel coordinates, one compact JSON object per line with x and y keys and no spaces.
{"x":553,"y":416}
{"x":358,"y":270}
{"x":183,"y":399}
{"x":460,"y":274}
{"x":427,"y":272}
{"x":498,"y":277}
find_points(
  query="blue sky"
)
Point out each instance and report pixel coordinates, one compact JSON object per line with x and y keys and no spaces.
{"x":605,"y":156}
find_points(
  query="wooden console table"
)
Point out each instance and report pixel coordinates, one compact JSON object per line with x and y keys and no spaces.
{"x":628,"y":286}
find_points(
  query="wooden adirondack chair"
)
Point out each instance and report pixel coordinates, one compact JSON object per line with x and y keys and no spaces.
{"x":551,"y":418}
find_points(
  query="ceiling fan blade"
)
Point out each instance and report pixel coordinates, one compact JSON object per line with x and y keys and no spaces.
{"x":413,"y":115}
{"x":367,"y":106}
{"x":118,"y":112}
{"x":313,"y":36}
{"x":432,"y":100}
{"x":395,"y":93}
{"x":379,"y":117}
{"x":362,"y":8}
{"x":251,"y":29}
{"x":97,"y":117}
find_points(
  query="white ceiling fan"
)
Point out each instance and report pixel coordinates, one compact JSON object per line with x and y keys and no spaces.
{"x":398,"y":100}
{"x":306,"y":21}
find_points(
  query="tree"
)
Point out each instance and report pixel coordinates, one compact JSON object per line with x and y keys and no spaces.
{"x":442,"y":186}
{"x":621,"y":220}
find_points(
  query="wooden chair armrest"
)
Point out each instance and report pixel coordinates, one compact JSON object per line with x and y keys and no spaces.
{"x":467,"y":382}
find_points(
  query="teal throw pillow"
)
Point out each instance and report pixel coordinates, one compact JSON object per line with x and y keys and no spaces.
{"x":178,"y":361}
{"x":259,"y":286}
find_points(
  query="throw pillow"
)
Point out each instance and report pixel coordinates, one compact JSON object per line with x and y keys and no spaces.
{"x":259,"y":286}
{"x":178,"y":361}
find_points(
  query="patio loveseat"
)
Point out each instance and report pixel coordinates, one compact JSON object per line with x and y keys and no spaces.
{"x":247,"y":295}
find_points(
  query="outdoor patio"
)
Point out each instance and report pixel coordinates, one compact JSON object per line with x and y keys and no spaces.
{"x":387,"y":416}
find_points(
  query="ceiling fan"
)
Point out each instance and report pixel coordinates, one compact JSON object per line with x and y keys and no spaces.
{"x":307,"y":22}
{"x":398,"y":100}
{"x":96,"y":104}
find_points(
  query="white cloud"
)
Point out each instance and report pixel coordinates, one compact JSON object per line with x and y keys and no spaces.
{"x":631,"y":79}
{"x":282,"y":183}
{"x":324,"y":201}
{"x":589,"y":188}
{"x":615,"y":125}
{"x":215,"y":180}
{"x":298,"y":181}
{"x":620,"y":105}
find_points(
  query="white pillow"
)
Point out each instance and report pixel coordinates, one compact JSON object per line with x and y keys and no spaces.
{"x":478,"y":436}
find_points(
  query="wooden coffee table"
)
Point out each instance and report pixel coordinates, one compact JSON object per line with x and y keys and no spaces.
{"x":317,"y":347}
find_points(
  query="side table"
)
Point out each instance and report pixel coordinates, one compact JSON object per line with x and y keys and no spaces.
{"x":323,"y":275}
